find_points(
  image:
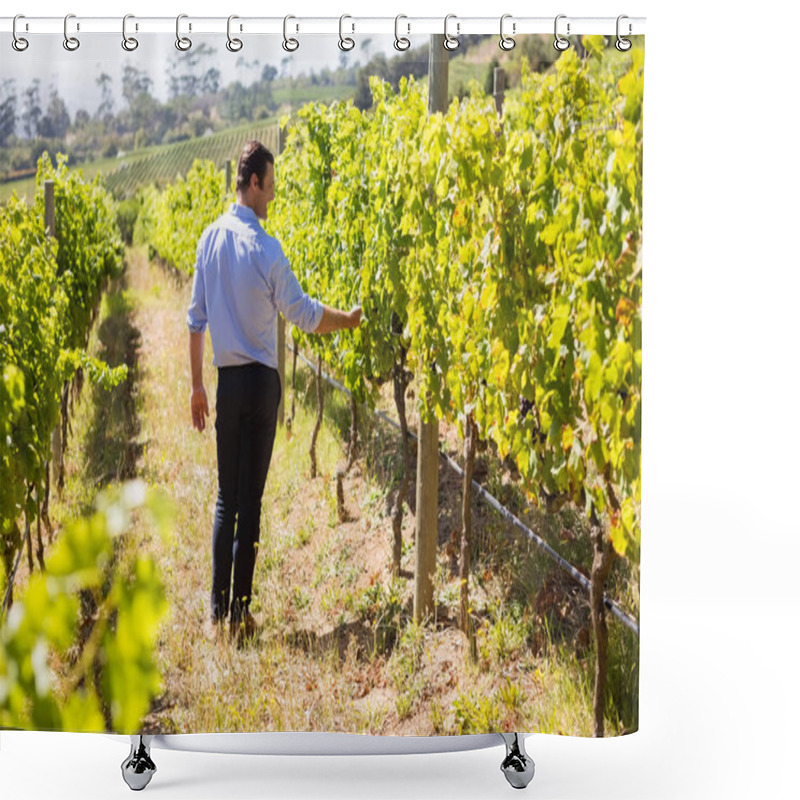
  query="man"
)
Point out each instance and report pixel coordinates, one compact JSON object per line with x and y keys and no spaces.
{"x":242,"y":280}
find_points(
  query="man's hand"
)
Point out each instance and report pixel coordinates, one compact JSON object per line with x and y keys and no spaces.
{"x":199,"y":407}
{"x":355,"y":317}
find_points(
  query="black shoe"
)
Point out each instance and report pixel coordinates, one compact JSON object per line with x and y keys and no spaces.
{"x":214,"y":629}
{"x":244,"y":629}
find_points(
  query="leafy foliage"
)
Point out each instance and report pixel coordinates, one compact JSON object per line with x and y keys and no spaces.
{"x":172,"y":221}
{"x":507,"y":251}
{"x":43,"y":622}
{"x":502,"y":256}
{"x":49,"y":288}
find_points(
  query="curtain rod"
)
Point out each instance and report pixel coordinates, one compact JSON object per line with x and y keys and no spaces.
{"x":407,"y":25}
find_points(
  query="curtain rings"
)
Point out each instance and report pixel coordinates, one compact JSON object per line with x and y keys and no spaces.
{"x":560,"y":43}
{"x":70,"y":42}
{"x":289,"y":44}
{"x":623,"y":45}
{"x":451,"y":42}
{"x":129,"y":43}
{"x":400,"y":42}
{"x":234,"y":45}
{"x":345,"y":42}
{"x":183,"y":43}
{"x":19,"y":43}
{"x":507,"y":42}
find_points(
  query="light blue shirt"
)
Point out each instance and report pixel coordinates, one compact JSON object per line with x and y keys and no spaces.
{"x":242,"y":280}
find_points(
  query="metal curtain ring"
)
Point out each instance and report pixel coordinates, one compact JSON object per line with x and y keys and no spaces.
{"x":70,"y":42}
{"x":507,"y":42}
{"x":561,"y":44}
{"x":289,"y":45}
{"x":183,"y":43}
{"x":128,"y":42}
{"x":19,"y":43}
{"x":623,"y":45}
{"x":450,"y":42}
{"x":345,"y":42}
{"x":234,"y":45}
{"x":400,"y":42}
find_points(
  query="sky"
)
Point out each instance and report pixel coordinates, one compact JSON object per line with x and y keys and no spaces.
{"x":74,"y":74}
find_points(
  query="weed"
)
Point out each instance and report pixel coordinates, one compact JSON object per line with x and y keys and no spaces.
{"x":381,"y":607}
{"x":502,"y":637}
{"x":437,"y":718}
{"x":300,"y":598}
{"x":479,"y":714}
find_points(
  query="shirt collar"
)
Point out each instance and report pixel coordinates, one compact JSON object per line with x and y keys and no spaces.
{"x":244,"y":213}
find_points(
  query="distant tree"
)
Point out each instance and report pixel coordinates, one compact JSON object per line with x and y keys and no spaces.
{"x":237,"y":102}
{"x":134,"y":83}
{"x":144,"y":113}
{"x":365,"y":46}
{"x":32,"y":110}
{"x":106,"y":108}
{"x":538,"y":50}
{"x":8,"y":111}
{"x":412,"y":62}
{"x":211,"y":80}
{"x":245,"y":66}
{"x":55,"y":123}
{"x":82,"y":118}
{"x":269,"y":73}
{"x":185,"y":77}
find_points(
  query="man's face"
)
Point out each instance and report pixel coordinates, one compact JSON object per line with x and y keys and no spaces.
{"x":263,"y":194}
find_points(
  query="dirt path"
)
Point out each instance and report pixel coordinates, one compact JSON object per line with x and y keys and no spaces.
{"x":337,"y":650}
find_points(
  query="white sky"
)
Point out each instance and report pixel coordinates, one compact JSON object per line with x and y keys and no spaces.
{"x":74,"y":73}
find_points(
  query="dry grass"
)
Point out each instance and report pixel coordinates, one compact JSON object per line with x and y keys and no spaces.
{"x":337,"y":649}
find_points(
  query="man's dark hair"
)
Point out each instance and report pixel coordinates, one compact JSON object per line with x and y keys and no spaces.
{"x":254,"y":159}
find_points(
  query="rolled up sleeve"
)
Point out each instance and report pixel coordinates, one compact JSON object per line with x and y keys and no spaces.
{"x":290,"y":299}
{"x":197,"y":316}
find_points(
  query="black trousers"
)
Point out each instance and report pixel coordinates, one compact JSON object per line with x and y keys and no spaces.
{"x":247,"y":411}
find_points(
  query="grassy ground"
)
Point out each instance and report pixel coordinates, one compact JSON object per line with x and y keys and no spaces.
{"x":337,"y":649}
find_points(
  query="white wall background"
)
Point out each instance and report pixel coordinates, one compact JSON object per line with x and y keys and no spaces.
{"x":720,"y":597}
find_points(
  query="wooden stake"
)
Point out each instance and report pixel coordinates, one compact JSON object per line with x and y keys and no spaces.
{"x":428,"y":447}
{"x":56,"y":443}
{"x":312,"y":451}
{"x":499,"y":88}
{"x":465,"y":618}
{"x":601,"y":566}
{"x":401,"y":377}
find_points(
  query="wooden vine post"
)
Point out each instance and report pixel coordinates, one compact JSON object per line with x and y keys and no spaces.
{"x":428,"y":446}
{"x":58,"y":437}
{"x":50,"y":230}
{"x":464,"y":612}
{"x":602,"y":562}
{"x":312,"y":450}
{"x":499,"y":88}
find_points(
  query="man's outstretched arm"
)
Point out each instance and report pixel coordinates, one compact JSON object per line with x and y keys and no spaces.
{"x":334,"y":320}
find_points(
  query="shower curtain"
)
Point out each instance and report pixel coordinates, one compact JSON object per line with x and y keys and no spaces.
{"x":448,"y":537}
